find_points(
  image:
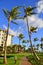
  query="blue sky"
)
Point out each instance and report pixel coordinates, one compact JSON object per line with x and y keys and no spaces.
{"x":9,"y":4}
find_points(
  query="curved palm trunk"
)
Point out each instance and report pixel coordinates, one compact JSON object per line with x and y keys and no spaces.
{"x":29,"y":33}
{"x":5,"y":46}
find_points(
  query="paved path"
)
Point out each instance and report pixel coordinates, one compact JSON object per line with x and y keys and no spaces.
{"x":24,"y":61}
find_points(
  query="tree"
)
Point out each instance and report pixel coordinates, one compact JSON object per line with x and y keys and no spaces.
{"x":37,"y":46}
{"x":15,"y":48}
{"x":21,"y":36}
{"x":9,"y":49}
{"x":35,"y":39}
{"x":11,"y":15}
{"x":28,"y":12}
{"x":25,"y":41}
{"x":41,"y":45}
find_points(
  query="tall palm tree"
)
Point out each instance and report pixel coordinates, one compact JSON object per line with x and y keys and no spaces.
{"x":35,"y":39}
{"x":11,"y":15}
{"x":28,"y":12}
{"x":21,"y":36}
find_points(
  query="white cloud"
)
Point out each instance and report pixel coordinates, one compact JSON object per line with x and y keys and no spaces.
{"x":35,"y":21}
{"x":15,"y":33}
{"x":40,"y":6}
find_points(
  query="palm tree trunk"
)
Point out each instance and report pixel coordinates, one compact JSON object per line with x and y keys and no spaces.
{"x":29,"y":33}
{"x":5,"y":46}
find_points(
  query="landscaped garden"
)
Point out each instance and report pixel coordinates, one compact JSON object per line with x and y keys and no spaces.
{"x":11,"y":58}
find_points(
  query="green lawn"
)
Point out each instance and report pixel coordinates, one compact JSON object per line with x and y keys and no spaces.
{"x":10,"y":58}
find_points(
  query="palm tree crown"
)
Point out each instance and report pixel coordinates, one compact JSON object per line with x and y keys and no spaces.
{"x":13,"y":14}
{"x":33,"y":29}
{"x":21,"y":36}
{"x":35,"y":39}
{"x":29,"y":10}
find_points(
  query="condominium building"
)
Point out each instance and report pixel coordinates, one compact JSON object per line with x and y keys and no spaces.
{"x":3,"y":38}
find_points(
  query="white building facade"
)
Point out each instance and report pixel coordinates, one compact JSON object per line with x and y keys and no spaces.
{"x":3,"y":38}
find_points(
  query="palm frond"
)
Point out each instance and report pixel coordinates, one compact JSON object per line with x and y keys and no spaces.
{"x":20,"y":17}
{"x":6,"y":12}
{"x":24,"y":41}
{"x":33,"y":13}
{"x":15,"y":13}
{"x":17,"y":17}
{"x":14,"y":22}
{"x":24,"y":16}
{"x":16,"y":8}
{"x":21,"y":36}
{"x":31,"y":8}
{"x":29,"y":14}
{"x":33,"y":29}
{"x":36,"y":39}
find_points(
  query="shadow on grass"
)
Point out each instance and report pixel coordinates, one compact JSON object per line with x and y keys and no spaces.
{"x":7,"y":56}
{"x":1,"y":62}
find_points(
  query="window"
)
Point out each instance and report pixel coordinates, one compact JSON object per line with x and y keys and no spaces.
{"x":1,"y":44}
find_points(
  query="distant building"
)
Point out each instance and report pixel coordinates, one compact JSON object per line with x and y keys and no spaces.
{"x":3,"y":38}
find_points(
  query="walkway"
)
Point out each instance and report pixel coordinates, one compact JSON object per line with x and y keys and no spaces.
{"x":24,"y":61}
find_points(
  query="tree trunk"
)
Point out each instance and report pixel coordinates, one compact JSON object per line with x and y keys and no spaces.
{"x":5,"y":46}
{"x":29,"y":33}
{"x":19,"y":46}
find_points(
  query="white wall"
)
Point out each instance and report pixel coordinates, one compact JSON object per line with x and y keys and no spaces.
{"x":9,"y":40}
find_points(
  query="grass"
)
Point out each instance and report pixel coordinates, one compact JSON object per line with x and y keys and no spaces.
{"x":10,"y":58}
{"x":33,"y":61}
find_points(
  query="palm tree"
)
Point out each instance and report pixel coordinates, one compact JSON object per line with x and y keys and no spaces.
{"x":11,"y":15}
{"x":41,"y":45}
{"x":21,"y":36}
{"x":37,"y":46}
{"x":24,"y":42}
{"x":35,"y":39}
{"x":28,"y":12}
